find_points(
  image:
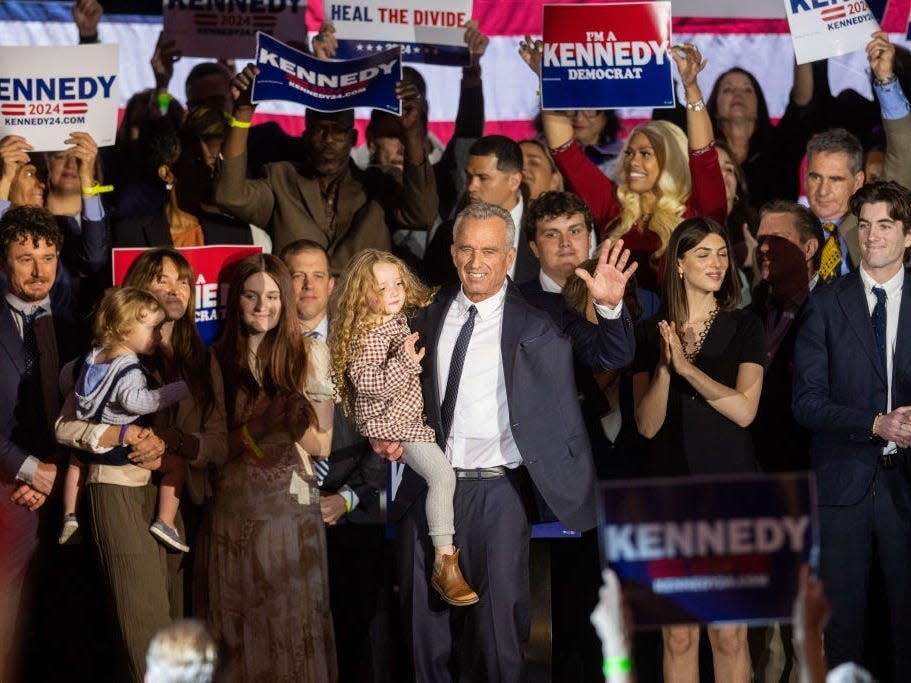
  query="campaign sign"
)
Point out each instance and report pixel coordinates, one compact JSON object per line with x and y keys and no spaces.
{"x":827,"y":28}
{"x":228,"y":28}
{"x":213,"y":266}
{"x":290,"y":75}
{"x":46,"y":93}
{"x":709,"y":549}
{"x":607,"y":56}
{"x":426,"y":32}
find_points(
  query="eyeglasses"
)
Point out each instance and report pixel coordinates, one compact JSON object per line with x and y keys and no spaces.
{"x":588,"y":114}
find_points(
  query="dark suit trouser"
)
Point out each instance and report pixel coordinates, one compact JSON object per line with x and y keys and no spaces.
{"x":846,"y":542}
{"x":492,"y":533}
{"x":18,"y":541}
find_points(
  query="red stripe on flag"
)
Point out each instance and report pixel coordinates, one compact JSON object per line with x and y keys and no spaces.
{"x":895,"y":16}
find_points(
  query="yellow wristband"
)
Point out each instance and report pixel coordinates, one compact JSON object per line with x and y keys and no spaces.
{"x":234,"y":123}
{"x":97,"y":189}
{"x":252,"y":448}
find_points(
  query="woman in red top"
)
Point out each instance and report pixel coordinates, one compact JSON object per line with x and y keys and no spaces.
{"x":660,"y":183}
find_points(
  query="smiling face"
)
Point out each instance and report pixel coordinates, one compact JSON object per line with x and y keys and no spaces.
{"x":704,"y":266}
{"x":312,"y":284}
{"x":171,"y":290}
{"x":26,"y":188}
{"x":145,"y":334}
{"x":561,"y":243}
{"x":640,"y":164}
{"x":260,"y":303}
{"x":883,"y":241}
{"x":830,"y":184}
{"x":481,"y":256}
{"x":736,"y":98}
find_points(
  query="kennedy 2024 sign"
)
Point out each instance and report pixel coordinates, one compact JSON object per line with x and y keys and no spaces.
{"x":709,"y":549}
{"x":46,"y":93}
{"x":228,"y":28}
{"x":290,"y":75}
{"x":827,"y":28}
{"x":607,"y":56}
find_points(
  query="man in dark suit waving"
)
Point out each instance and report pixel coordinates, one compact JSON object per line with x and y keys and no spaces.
{"x":852,"y":390}
{"x":499,"y":392}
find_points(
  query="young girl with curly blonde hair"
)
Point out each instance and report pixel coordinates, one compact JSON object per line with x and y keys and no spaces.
{"x":377,"y":370}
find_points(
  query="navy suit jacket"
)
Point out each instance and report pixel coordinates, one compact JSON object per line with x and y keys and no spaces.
{"x":12,"y":366}
{"x":839,"y":386}
{"x":540,"y":336}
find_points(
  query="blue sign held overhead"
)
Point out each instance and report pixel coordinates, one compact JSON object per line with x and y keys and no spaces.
{"x":293,"y":76}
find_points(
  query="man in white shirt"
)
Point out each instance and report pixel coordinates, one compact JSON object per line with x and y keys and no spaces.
{"x":510,"y":446}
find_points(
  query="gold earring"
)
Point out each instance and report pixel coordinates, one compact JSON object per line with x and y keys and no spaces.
{"x":680,"y":272}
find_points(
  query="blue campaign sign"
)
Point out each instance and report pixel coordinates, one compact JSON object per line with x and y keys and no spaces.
{"x":293,"y":76}
{"x":709,"y":549}
{"x":605,"y":56}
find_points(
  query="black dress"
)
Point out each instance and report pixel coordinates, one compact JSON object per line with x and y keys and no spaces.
{"x":695,"y":438}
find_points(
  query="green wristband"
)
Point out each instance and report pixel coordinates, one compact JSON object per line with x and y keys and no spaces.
{"x":616,"y":665}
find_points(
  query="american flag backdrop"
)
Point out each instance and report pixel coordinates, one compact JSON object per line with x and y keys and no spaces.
{"x":752,"y":34}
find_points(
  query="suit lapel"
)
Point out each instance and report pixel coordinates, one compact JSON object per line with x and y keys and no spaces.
{"x":513,"y":324}
{"x":433,"y":326}
{"x":9,"y":337}
{"x":853,"y":302}
{"x":848,"y":230}
{"x":902,"y":356}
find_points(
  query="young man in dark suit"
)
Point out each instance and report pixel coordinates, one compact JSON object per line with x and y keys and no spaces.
{"x":852,"y":390}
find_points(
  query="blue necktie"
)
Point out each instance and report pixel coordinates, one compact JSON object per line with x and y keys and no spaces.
{"x":447,"y":408}
{"x":29,"y":340}
{"x":879,"y":325}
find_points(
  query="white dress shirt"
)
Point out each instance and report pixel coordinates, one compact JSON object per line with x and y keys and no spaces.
{"x":480,"y":435}
{"x":516,"y":213}
{"x":893,"y":287}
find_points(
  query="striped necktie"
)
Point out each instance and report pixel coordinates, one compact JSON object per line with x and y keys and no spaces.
{"x":321,"y":466}
{"x":830,"y":264}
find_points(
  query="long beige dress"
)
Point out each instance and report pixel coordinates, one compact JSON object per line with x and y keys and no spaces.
{"x":268,"y":580}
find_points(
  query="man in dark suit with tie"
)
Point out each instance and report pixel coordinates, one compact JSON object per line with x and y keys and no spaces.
{"x":499,"y":392}
{"x":33,"y":341}
{"x":852,"y":390}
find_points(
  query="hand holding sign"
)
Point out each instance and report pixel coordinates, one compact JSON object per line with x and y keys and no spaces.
{"x":86,"y":15}
{"x":531,"y":52}
{"x":881,"y":55}
{"x":14,"y":151}
{"x":163,"y":58}
{"x":241,"y":87}
{"x":477,"y":43}
{"x":324,"y":44}
{"x":86,"y":152}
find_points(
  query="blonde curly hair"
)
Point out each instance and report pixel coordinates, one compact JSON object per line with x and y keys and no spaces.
{"x":673,"y":187}
{"x":351,"y":314}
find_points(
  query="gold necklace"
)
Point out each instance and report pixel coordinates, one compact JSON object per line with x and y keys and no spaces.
{"x":694,"y":343}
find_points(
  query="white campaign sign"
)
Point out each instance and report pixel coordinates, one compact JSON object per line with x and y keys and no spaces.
{"x":827,"y":28}
{"x":410,"y":21}
{"x":46,"y":93}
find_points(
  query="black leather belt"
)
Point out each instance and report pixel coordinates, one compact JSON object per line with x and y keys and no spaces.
{"x":481,"y":473}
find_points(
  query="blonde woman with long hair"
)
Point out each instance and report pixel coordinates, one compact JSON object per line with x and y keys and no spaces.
{"x":664,"y":174}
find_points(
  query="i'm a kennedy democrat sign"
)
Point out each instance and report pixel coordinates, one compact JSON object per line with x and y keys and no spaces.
{"x":709,"y":549}
{"x":607,"y":56}
{"x":46,"y":93}
{"x":290,"y":75}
